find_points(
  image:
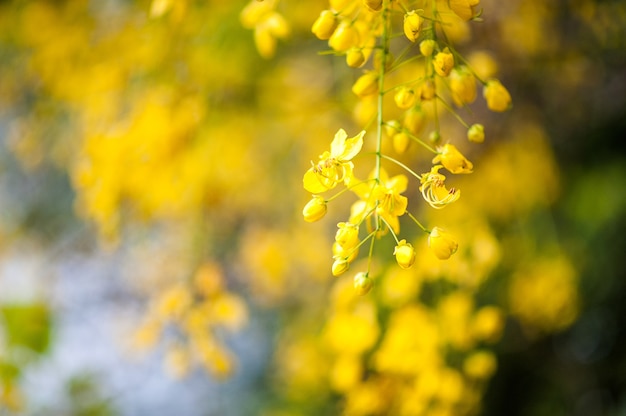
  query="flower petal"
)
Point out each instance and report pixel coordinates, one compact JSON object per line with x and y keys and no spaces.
{"x":312,"y":183}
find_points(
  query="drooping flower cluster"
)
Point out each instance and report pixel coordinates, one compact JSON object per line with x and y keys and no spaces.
{"x":360,"y":30}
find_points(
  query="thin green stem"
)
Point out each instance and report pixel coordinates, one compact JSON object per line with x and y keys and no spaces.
{"x":402,"y":165}
{"x":451,"y":110}
{"x":348,"y":188}
{"x":419,"y":224}
{"x":391,"y":230}
{"x":381,"y":87}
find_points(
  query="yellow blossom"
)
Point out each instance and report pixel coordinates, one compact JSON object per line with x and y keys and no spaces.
{"x":366,"y":84}
{"x":405,"y":254}
{"x":415,"y":120}
{"x":340,"y":266}
{"x":404,"y":97}
{"x":463,"y":8}
{"x":480,"y":365}
{"x":355,"y":58}
{"x":315,"y":209}
{"x":347,"y":235}
{"x":334,"y":166}
{"x":348,"y":253}
{"x":400,"y":142}
{"x":434,"y":190}
{"x":443,"y":62}
{"x":362,"y":283}
{"x":442,"y":243}
{"x":427,"y":47}
{"x":451,"y":159}
{"x":497,"y":96}
{"x":476,"y":133}
{"x":344,"y":37}
{"x":462,"y":86}
{"x":391,"y":204}
{"x":412,"y":23}
{"x":325,"y":25}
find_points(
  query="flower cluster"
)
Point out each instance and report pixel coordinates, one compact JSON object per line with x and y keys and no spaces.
{"x":364,"y":31}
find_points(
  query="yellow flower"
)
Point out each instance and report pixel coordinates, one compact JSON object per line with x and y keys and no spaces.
{"x":348,"y":253}
{"x":391,"y":204}
{"x":367,"y":84}
{"x":340,"y":266}
{"x":476,"y":133}
{"x":497,"y":96}
{"x":400,"y":142}
{"x":442,"y":244}
{"x":355,"y":58}
{"x":315,"y":209}
{"x":463,"y":8}
{"x":404,"y":97}
{"x":412,"y":23}
{"x":463,"y":86}
{"x":347,"y":235}
{"x":362,"y":283}
{"x":480,"y":365}
{"x":325,"y":25}
{"x":443,"y":62}
{"x":344,"y":37}
{"x":334,"y":166}
{"x":405,"y":254}
{"x":434,"y":190}
{"x":415,"y":120}
{"x":427,"y":47}
{"x":453,"y":160}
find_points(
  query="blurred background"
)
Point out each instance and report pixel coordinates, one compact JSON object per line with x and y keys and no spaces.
{"x":153,"y":256}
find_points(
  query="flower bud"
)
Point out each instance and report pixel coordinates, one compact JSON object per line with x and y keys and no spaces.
{"x":392,"y":127}
{"x":404,"y":97}
{"x":340,"y":266}
{"x":434,"y":137}
{"x":347,"y":235}
{"x":325,"y":25}
{"x":344,"y":37}
{"x":463,"y":86}
{"x":355,"y":58}
{"x":427,"y":47}
{"x":315,"y":209}
{"x":367,"y":84}
{"x":497,"y":96}
{"x":442,"y":244}
{"x":453,"y":160}
{"x":362,"y":283}
{"x":428,"y":90}
{"x":412,"y":23}
{"x":476,"y":133}
{"x":401,"y":142}
{"x":405,"y":254}
{"x":349,"y":253}
{"x":443,"y":63}
{"x":415,"y":120}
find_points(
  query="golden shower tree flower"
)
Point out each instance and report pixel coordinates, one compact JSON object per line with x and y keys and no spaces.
{"x":390,"y":204}
{"x":405,"y":254}
{"x":434,"y":190}
{"x":315,"y":209}
{"x":325,"y":25}
{"x":497,"y":96}
{"x":442,"y":243}
{"x":443,"y":62}
{"x":451,"y":159}
{"x":362,"y":283}
{"x":462,"y":86}
{"x":412,"y":23}
{"x":334,"y":166}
